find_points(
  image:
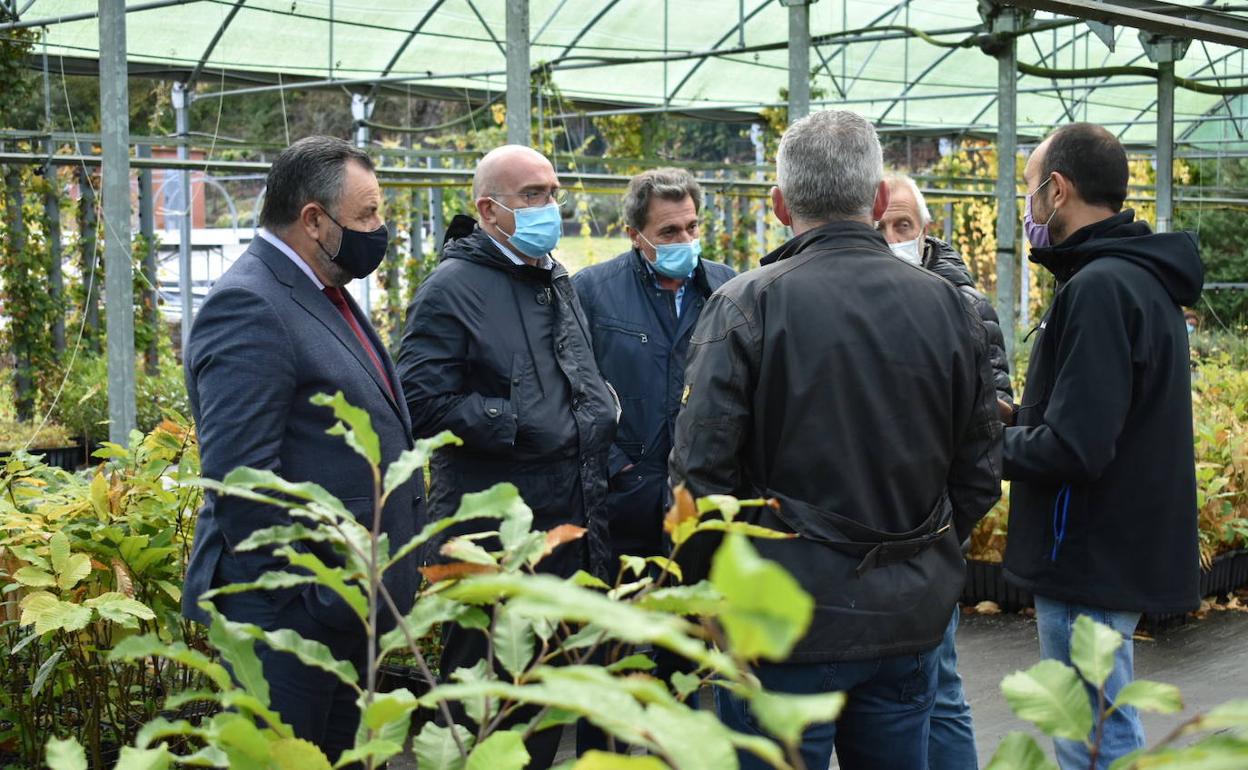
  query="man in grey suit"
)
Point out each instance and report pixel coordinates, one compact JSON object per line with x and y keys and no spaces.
{"x":275,"y":330}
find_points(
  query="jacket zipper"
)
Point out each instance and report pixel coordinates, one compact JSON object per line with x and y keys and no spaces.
{"x":640,"y":335}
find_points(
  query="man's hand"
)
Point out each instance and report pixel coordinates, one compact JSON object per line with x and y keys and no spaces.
{"x":1006,"y":411}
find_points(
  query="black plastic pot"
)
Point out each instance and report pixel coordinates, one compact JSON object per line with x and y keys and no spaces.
{"x":985,"y":581}
{"x":71,"y":458}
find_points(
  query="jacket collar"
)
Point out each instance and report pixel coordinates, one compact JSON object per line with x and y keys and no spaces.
{"x":467,"y":241}
{"x":1069,"y":257}
{"x":841,"y":234}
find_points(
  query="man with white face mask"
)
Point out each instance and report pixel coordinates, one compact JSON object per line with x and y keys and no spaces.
{"x":905,"y":224}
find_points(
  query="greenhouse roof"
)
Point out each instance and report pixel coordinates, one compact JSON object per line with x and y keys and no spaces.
{"x":910,"y":66}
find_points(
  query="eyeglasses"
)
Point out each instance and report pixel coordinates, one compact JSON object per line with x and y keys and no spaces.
{"x":558,"y":195}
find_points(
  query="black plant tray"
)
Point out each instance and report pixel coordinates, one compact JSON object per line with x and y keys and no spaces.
{"x":985,"y":581}
{"x":71,"y":458}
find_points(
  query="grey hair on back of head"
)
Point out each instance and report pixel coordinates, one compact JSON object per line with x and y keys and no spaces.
{"x":829,"y":167}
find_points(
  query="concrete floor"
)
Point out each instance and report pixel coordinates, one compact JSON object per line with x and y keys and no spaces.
{"x":1207,"y":659}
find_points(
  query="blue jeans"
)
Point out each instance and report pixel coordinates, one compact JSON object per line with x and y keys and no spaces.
{"x":1055,"y":621}
{"x":951,"y":745}
{"x":885,"y":722}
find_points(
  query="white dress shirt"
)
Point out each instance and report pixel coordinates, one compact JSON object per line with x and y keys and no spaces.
{"x":281,"y":246}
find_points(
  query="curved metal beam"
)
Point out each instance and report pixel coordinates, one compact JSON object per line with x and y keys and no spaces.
{"x":212,"y":44}
{"x":398,"y":54}
{"x":588,"y":26}
{"x":1153,"y":103}
{"x":667,"y":98}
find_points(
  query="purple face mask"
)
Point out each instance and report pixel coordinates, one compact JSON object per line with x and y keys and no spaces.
{"x":1037,"y":233}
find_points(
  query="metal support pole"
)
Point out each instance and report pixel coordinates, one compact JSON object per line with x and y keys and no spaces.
{"x":1164,"y":52}
{"x":23,"y":366}
{"x":115,"y":183}
{"x":518,"y":110}
{"x":88,"y":227}
{"x":949,"y":222}
{"x":362,"y":110}
{"x":799,"y":58}
{"x":760,"y":216}
{"x":147,"y":229}
{"x":56,"y":280}
{"x":182,"y":118}
{"x":436,"y":221}
{"x":1007,"y":20}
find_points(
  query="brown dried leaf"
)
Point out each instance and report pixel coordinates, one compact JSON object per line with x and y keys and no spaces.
{"x":124,"y":582}
{"x":988,"y":608}
{"x":683,"y":509}
{"x":436,"y":573}
{"x":564,"y":533}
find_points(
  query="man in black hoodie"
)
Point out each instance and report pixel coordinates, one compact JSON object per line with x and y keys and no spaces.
{"x":1103,"y":500}
{"x":497,"y":351}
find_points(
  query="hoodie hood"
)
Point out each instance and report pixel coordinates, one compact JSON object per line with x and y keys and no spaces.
{"x":1172,"y":258}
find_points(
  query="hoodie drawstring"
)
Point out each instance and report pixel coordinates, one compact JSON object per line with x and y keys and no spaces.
{"x":1061,"y":506}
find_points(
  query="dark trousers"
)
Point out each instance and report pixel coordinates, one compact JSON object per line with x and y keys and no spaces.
{"x":316,"y":704}
{"x":885,"y":722}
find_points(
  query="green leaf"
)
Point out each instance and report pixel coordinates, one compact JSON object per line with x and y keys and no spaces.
{"x":66,"y":754}
{"x":701,"y":598}
{"x":501,"y":751}
{"x":1156,"y":697}
{"x":333,"y":578}
{"x":309,"y":652}
{"x":77,"y":567}
{"x":464,"y":549}
{"x":435,"y":747}
{"x":379,"y":751}
{"x":765,"y":611}
{"x":664,"y":563}
{"x":601,"y":760}
{"x":243,"y":482}
{"x":241,"y":739}
{"x":415,"y":459}
{"x":287,"y":534}
{"x":99,"y":493}
{"x":45,"y":670}
{"x":119,"y":608}
{"x":426,"y":613}
{"x":633,"y":564}
{"x":686,"y":684}
{"x":476,"y":708}
{"x":742,"y":528}
{"x":160,"y":728}
{"x":388,"y":708}
{"x":238,"y":649}
{"x":268,"y":581}
{"x":1092,"y":649}
{"x":787,"y":716}
{"x":149,"y":645}
{"x":635,"y":662}
{"x":1052,"y":696}
{"x":1232,"y":715}
{"x":1217,"y":752}
{"x":1019,"y":751}
{"x":501,"y":501}
{"x":586,"y":580}
{"x":50,"y":614}
{"x":34,"y":577}
{"x":297,"y":754}
{"x":58,"y":550}
{"x":727,"y":505}
{"x":549,"y":597}
{"x":514,"y":641}
{"x":354,"y":425}
{"x":143,"y":759}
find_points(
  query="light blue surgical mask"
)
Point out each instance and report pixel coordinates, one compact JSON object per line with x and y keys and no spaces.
{"x":675,"y":260}
{"x":537,"y":229}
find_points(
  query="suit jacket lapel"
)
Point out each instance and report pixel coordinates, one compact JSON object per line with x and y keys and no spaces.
{"x":305,"y":293}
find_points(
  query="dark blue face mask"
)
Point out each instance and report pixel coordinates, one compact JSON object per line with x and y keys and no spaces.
{"x":359,"y":252}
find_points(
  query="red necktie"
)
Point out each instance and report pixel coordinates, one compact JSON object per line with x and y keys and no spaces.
{"x":336,"y":296}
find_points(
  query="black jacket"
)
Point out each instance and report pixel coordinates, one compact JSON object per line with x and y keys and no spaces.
{"x":857,"y":390}
{"x":500,"y":355}
{"x":941,"y":259}
{"x":1103,"y":499}
{"x":640,"y":344}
